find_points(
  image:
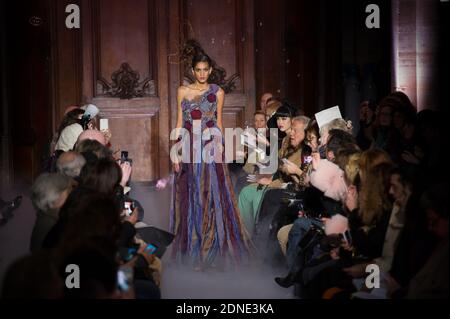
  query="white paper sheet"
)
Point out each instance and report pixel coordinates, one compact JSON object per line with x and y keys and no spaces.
{"x":327,"y":115}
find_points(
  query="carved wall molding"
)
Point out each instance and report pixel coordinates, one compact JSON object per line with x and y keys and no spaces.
{"x":125,"y":84}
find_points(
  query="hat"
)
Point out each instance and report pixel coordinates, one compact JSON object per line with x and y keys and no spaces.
{"x":90,"y":110}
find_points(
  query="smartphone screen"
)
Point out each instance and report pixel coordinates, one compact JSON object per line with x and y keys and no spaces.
{"x":124,"y":278}
{"x":128,"y":208}
{"x":348,"y":237}
{"x":104,"y":124}
{"x":151,"y":249}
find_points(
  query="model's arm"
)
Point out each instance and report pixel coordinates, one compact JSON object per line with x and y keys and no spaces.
{"x":180,"y":95}
{"x":220,"y":100}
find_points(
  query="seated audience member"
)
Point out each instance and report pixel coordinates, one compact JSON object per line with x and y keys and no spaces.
{"x":34,"y":276}
{"x":337,"y":139}
{"x":98,"y":224}
{"x":92,"y":150}
{"x":72,"y":126}
{"x":92,"y":135}
{"x":48,"y":194}
{"x":317,"y":251}
{"x":432,"y":280}
{"x":251,"y":157}
{"x":70,"y":164}
{"x":312,"y":136}
{"x":89,"y":240}
{"x":260,"y":141}
{"x":369,"y":209}
{"x":251,"y":195}
{"x":407,"y":243}
{"x":265,"y":97}
{"x":385,"y":135}
{"x":259,"y":120}
{"x":329,"y":189}
{"x":275,"y":211}
{"x":69,"y":130}
{"x":270,"y":111}
{"x":366,"y":124}
{"x":336,"y":124}
{"x":282,"y":121}
{"x":368,"y":244}
{"x":98,"y":270}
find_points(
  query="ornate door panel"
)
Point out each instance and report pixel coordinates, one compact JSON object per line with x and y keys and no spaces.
{"x":224,"y":29}
{"x":120,"y":77}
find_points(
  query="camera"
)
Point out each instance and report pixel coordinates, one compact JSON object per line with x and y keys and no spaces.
{"x":124,"y":158}
{"x":329,"y":242}
{"x":313,"y":234}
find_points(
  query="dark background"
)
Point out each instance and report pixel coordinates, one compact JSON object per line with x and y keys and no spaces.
{"x":317,"y":54}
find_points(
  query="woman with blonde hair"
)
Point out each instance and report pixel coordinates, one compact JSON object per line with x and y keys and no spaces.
{"x":368,"y":202}
{"x":372,"y":158}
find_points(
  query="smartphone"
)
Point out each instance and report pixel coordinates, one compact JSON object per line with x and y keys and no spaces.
{"x":151,"y":248}
{"x":124,"y":158}
{"x":104,"y":124}
{"x":347,"y":237}
{"x":124,"y":278}
{"x":128,"y":207}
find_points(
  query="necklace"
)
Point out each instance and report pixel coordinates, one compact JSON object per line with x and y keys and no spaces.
{"x":200,"y":89}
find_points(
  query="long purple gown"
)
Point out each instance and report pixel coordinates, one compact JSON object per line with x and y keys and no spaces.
{"x":204,"y":213}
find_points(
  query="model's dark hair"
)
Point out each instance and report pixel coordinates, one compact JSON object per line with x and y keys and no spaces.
{"x":193,"y":53}
{"x":201,"y":57}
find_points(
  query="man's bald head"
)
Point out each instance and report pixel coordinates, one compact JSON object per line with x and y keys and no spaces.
{"x":70,"y":164}
{"x":95,"y":135}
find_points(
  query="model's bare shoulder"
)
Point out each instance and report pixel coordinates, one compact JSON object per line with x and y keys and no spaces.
{"x":220,"y":92}
{"x":182,"y":91}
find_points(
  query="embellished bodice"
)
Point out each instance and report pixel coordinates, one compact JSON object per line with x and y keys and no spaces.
{"x":202,"y":108}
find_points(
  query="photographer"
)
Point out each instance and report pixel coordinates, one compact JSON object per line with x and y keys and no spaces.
{"x":73,"y":125}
